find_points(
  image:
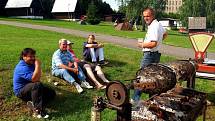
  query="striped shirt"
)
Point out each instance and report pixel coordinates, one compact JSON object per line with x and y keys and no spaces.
{"x":61,"y":57}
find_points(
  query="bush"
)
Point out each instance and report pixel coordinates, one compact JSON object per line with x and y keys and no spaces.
{"x":92,"y":15}
{"x":93,"y":21}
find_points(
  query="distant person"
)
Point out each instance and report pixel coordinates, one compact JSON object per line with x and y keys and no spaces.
{"x":93,"y":51}
{"x":89,"y":68}
{"x":27,"y":85}
{"x":151,"y":44}
{"x":116,"y":22}
{"x":64,"y":66}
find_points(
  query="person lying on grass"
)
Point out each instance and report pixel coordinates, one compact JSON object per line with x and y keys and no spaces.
{"x":93,"y":51}
{"x":27,"y":85}
{"x":90,"y":69}
{"x":64,"y":66}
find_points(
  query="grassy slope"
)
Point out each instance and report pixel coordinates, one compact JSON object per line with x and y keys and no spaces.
{"x":68,"y":105}
{"x":174,"y":38}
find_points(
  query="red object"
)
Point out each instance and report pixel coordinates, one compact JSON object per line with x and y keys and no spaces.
{"x":200,"y":51}
{"x":206,"y":68}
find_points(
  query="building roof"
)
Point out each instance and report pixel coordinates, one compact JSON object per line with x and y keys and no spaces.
{"x":18,"y":3}
{"x":61,"y":6}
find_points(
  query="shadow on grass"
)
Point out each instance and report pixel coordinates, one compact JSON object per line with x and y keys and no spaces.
{"x":115,"y":63}
{"x":211,"y":97}
{"x":68,"y":103}
{"x":179,"y":34}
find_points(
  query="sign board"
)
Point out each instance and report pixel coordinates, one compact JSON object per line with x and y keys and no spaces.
{"x":61,"y":6}
{"x":18,"y":3}
{"x":197,"y":23}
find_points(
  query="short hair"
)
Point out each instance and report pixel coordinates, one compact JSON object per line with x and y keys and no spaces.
{"x":27,"y":51}
{"x":91,"y":35}
{"x":151,"y":10}
{"x":62,"y":41}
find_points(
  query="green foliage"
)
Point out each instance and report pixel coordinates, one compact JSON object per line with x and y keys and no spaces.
{"x":135,"y":7}
{"x":171,"y":15}
{"x":102,"y":7}
{"x":198,"y":8}
{"x":92,"y":14}
{"x":210,"y":10}
{"x":47,"y":6}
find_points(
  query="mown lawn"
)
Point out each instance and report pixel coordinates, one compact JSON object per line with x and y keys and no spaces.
{"x":174,"y":38}
{"x":68,"y":105}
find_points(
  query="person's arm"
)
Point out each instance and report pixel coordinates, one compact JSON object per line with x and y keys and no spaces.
{"x":73,"y":55}
{"x":68,"y":68}
{"x":165,"y":35}
{"x":147,"y":44}
{"x":94,"y":45}
{"x":37,"y":71}
{"x":60,"y":64}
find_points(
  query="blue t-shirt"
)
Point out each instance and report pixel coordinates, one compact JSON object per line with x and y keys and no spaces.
{"x":22,"y":75}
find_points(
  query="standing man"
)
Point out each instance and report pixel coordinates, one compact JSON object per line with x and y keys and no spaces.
{"x":151,"y":44}
{"x":64,"y":66}
{"x":27,"y":85}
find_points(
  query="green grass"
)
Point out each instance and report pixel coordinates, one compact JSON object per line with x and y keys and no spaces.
{"x":174,"y":38}
{"x":68,"y":105}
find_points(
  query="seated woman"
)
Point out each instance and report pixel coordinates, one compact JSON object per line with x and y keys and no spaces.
{"x":93,"y":50}
{"x":89,"y":69}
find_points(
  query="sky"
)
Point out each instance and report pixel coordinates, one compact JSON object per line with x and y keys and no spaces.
{"x":113,"y":4}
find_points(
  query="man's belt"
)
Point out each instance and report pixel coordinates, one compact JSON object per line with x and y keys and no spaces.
{"x":150,"y":51}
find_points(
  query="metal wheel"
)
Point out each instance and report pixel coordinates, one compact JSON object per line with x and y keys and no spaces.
{"x":116,"y":93}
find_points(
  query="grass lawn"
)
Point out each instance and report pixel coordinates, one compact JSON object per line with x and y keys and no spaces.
{"x":68,"y":105}
{"x":174,"y":38}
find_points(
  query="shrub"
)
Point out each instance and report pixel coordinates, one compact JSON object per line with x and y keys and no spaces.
{"x":92,"y":15}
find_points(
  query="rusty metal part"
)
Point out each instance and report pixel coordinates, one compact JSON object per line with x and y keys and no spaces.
{"x":155,"y":79}
{"x":116,"y":93}
{"x":177,"y":104}
{"x":185,"y":70}
{"x":144,"y":86}
{"x":98,"y":103}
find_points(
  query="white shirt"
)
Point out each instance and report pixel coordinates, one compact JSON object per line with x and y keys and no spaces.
{"x":155,"y":32}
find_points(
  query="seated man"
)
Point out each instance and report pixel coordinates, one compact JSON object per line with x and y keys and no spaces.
{"x":65,"y":67}
{"x":93,"y":50}
{"x":88,"y":68}
{"x":27,"y":85}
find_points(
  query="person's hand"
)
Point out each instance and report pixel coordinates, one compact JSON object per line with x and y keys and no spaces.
{"x":100,"y":45}
{"x":140,"y":44}
{"x":70,"y":64}
{"x":75,"y":70}
{"x":37,"y":62}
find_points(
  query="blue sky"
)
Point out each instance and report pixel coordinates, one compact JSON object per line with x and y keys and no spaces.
{"x":113,"y":4}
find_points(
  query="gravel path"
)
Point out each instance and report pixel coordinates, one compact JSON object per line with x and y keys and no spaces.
{"x":182,"y":53}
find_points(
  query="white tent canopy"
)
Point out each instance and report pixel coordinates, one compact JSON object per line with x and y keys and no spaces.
{"x":64,"y":6}
{"x":18,"y":3}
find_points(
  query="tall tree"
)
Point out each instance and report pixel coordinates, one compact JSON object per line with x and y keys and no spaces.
{"x":134,"y":8}
{"x":198,"y":8}
{"x":210,"y":10}
{"x":92,"y":16}
{"x":102,"y":7}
